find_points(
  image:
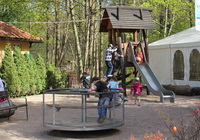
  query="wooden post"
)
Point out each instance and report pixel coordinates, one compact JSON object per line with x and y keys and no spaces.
{"x":123,"y":67}
{"x":135,"y":36}
{"x":146,"y":45}
{"x":110,"y":36}
{"x":114,"y":37}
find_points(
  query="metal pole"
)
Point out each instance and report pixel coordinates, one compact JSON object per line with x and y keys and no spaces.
{"x":84,"y":109}
{"x":54,"y":116}
{"x":43,"y":108}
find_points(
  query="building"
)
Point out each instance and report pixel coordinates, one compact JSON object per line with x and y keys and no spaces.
{"x":16,"y":38}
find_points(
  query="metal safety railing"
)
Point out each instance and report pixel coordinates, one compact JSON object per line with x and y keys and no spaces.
{"x":76,"y":110}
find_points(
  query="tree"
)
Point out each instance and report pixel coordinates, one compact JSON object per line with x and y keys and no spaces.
{"x":41,"y":70}
{"x":22,"y":72}
{"x":78,"y":49}
{"x":70,"y":29}
{"x":9,"y":73}
{"x":170,"y":16}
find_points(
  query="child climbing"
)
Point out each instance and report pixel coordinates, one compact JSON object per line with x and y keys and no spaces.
{"x":136,"y":90}
{"x":117,"y":61}
{"x":108,"y":59}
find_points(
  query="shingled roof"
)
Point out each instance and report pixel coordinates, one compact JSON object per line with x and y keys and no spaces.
{"x":9,"y":32}
{"x":126,"y":17}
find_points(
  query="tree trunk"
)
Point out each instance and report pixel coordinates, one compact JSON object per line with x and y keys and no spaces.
{"x":87,"y":31}
{"x":166,"y":21}
{"x":101,"y":49}
{"x":78,"y":49}
{"x":171,"y":25}
{"x":91,"y":38}
{"x":96,"y":56}
{"x":57,"y":28}
{"x":47,"y":44}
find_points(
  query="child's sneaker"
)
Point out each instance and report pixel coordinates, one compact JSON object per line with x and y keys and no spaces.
{"x":125,"y":99}
{"x":101,"y":119}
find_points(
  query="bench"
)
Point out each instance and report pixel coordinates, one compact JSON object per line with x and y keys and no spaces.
{"x":5,"y":96}
{"x":80,"y":107}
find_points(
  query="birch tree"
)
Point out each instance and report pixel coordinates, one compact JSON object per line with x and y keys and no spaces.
{"x":77,"y":46}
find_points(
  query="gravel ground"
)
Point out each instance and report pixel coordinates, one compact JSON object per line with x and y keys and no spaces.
{"x":139,"y":120}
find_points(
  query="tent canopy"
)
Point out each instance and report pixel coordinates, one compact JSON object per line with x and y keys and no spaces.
{"x":189,"y":37}
{"x":178,"y":53}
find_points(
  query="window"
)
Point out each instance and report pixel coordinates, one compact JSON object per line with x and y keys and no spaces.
{"x":178,"y":66}
{"x":194,"y":65}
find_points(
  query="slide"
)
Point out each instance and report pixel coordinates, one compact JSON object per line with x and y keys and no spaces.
{"x":152,"y":82}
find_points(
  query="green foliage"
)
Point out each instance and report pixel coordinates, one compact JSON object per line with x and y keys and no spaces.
{"x":170,"y":16}
{"x":51,"y":21}
{"x":55,"y":77}
{"x":23,"y":75}
{"x":33,"y":74}
{"x":22,"y":72}
{"x":41,"y":73}
{"x":9,"y":72}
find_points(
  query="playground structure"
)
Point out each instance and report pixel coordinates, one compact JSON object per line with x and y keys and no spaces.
{"x":59,"y":114}
{"x":121,"y":20}
{"x":116,"y":21}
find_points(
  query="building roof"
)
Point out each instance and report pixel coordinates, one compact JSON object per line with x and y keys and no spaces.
{"x":9,"y":32}
{"x":188,"y":37}
{"x":127,"y":17}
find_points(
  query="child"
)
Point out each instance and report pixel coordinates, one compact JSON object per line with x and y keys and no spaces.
{"x":2,"y":85}
{"x":136,"y":90}
{"x":85,"y":78}
{"x":138,"y":54}
{"x":108,"y":59}
{"x":114,"y":85}
{"x":104,"y":99}
{"x":117,"y":61}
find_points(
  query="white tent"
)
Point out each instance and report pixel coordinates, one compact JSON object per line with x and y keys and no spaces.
{"x":163,"y":53}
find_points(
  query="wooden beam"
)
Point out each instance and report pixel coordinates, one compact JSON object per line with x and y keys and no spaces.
{"x":135,"y":36}
{"x":119,"y":34}
{"x":146,"y":49}
{"x":141,"y":14}
{"x":114,"y":37}
{"x":123,"y":67}
{"x":110,"y":36}
{"x":118,"y":13}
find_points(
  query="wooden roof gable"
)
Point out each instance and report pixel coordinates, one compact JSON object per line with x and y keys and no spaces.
{"x":9,"y":32}
{"x":126,"y":17}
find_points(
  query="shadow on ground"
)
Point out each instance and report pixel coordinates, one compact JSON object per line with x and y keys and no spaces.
{"x":83,"y":134}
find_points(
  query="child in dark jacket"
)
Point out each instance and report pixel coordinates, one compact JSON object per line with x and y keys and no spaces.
{"x":104,"y":99}
{"x":85,"y":78}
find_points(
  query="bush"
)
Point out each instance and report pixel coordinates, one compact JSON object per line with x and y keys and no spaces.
{"x":28,"y":76}
{"x":23,"y":75}
{"x":56,"y":78}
